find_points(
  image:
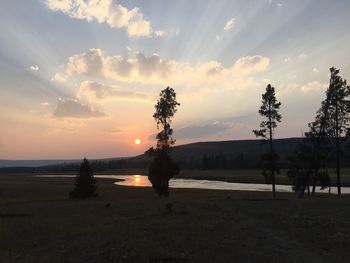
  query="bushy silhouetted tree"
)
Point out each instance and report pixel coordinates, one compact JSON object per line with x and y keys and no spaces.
{"x":269,"y":110}
{"x":337,"y":121}
{"x":85,"y":182}
{"x":308,"y":167}
{"x":163,"y":168}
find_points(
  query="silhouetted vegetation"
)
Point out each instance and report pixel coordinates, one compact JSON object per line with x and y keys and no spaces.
{"x":337,"y":115}
{"x":269,"y":110}
{"x":163,"y":168}
{"x":85,"y":182}
{"x":308,"y":167}
{"x":310,"y":164}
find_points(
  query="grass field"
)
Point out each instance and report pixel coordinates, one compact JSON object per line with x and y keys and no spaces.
{"x":38,"y":223}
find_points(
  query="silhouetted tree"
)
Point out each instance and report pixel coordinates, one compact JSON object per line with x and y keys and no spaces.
{"x":338,"y":115}
{"x":163,"y":168}
{"x":307,"y":167}
{"x":316,"y":148}
{"x":269,"y":110}
{"x":85,"y":182}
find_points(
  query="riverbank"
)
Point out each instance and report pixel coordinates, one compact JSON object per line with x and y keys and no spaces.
{"x":124,"y":224}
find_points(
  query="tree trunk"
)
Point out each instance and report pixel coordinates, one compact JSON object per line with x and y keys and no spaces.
{"x":314,"y":184}
{"x":337,"y":142}
{"x":313,"y":190}
{"x":272,"y":161}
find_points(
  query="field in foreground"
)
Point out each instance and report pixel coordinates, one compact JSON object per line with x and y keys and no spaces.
{"x":38,"y":223}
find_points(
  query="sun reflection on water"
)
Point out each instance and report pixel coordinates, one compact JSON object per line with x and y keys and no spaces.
{"x":138,"y":180}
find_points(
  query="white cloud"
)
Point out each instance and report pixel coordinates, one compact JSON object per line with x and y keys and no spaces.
{"x":59,"y":78}
{"x":303,"y":56}
{"x":310,"y":87}
{"x":98,"y":92}
{"x":217,"y":37}
{"x":86,"y":63}
{"x":251,"y":64}
{"x":277,"y":4}
{"x":315,"y":70}
{"x":144,"y":69}
{"x":159,"y":33}
{"x":34,"y":67}
{"x":140,"y":68}
{"x":313,"y":86}
{"x":45,"y":103}
{"x":104,"y":11}
{"x":72,"y":108}
{"x":286,"y":60}
{"x":229,"y":24}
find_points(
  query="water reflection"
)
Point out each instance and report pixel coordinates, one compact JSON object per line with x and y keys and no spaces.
{"x":142,"y":181}
{"x":138,"y":180}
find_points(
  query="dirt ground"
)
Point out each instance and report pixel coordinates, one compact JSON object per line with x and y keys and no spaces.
{"x":38,"y":223}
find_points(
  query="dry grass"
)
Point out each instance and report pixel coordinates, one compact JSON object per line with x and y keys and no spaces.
{"x":38,"y":223}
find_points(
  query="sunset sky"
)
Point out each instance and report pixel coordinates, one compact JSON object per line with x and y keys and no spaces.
{"x":80,"y":78}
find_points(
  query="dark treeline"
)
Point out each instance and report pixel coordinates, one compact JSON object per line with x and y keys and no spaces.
{"x":206,"y":161}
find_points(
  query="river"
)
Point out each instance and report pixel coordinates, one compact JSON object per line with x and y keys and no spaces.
{"x":142,"y":181}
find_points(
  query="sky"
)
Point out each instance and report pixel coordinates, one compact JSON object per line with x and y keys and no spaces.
{"x":80,"y":78}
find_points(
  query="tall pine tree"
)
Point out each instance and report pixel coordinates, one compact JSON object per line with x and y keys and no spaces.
{"x":163,"y":168}
{"x":337,"y":117}
{"x":270,"y":111}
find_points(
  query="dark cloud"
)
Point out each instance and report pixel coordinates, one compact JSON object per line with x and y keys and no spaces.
{"x":199,"y":131}
{"x":71,"y":108}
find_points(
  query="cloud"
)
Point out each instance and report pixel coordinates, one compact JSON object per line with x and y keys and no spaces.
{"x":315,"y":70}
{"x":313,"y":86}
{"x":159,"y":33}
{"x":89,"y":63}
{"x":34,"y":67}
{"x":154,"y":69}
{"x":72,"y":108}
{"x":251,"y":64}
{"x":104,"y":11}
{"x":277,"y":4}
{"x":229,"y":24}
{"x":140,"y":68}
{"x":203,"y":130}
{"x":303,"y":56}
{"x":45,"y":103}
{"x":59,"y":78}
{"x":310,"y":87}
{"x":98,"y":92}
{"x":286,"y":60}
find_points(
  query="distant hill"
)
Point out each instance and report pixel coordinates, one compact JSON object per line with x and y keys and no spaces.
{"x":39,"y":163}
{"x":245,"y":152}
{"x":240,"y":154}
{"x":32,"y":163}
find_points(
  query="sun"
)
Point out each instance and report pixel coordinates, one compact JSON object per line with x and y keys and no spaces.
{"x":137,"y":141}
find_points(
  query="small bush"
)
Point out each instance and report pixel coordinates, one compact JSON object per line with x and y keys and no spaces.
{"x":85,"y":182}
